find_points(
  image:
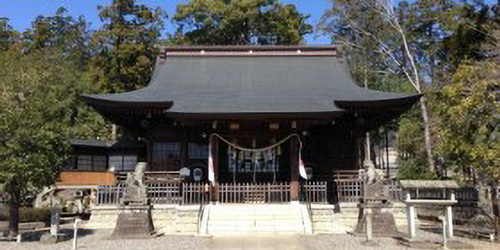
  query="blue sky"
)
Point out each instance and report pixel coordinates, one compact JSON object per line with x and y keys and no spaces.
{"x":22,"y":12}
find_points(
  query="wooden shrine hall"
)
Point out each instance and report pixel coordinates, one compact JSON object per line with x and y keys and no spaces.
{"x":257,"y":112}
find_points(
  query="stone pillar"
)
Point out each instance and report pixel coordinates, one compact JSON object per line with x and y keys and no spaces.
{"x":54,"y":220}
{"x":443,"y":220}
{"x":215,"y":157}
{"x":449,"y":217}
{"x":369,"y":231}
{"x":411,"y":217}
{"x":294,"y":169}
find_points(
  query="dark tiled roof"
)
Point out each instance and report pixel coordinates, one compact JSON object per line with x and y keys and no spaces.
{"x":106,"y":143}
{"x":271,"y":83}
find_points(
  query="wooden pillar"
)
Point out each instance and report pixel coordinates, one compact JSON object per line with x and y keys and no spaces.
{"x":215,"y":158}
{"x":184,"y":153}
{"x":294,"y":169}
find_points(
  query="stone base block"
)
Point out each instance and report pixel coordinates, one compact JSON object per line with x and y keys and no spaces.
{"x":134,"y":224}
{"x":383,"y":223}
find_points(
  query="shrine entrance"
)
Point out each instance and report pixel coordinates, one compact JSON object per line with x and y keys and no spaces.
{"x":265,"y":174}
{"x":252,"y":162}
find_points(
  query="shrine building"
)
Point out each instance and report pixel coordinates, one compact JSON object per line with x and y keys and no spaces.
{"x":251,"y":114}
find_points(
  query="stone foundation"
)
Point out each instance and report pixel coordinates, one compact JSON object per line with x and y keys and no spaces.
{"x":183,"y":220}
{"x":326,"y":221}
{"x":167,"y":219}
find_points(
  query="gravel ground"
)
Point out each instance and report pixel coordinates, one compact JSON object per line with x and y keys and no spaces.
{"x":97,"y":240}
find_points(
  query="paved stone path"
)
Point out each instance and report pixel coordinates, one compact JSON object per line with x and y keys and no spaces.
{"x":98,"y":240}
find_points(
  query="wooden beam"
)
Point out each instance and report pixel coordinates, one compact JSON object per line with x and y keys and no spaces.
{"x":215,"y":157}
{"x":294,"y":169}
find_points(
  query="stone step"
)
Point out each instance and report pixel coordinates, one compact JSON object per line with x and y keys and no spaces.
{"x":219,"y":217}
{"x":212,"y":224}
{"x":256,"y":229}
{"x":250,"y":212}
{"x":252,"y":218}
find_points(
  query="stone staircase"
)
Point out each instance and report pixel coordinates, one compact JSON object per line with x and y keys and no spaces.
{"x":255,"y":219}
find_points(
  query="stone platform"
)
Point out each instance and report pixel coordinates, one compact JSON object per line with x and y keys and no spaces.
{"x":167,"y":219}
{"x":183,"y":220}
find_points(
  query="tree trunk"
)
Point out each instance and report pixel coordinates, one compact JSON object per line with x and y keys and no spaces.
{"x":427,"y":134}
{"x":14,"y":214}
{"x":114,"y":132}
{"x":367,"y":141}
{"x":423,"y":100}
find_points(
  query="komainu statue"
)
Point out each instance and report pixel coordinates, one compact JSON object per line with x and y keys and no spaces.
{"x":135,"y":221}
{"x":135,"y":190}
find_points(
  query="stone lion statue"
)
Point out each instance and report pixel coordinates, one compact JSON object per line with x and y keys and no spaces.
{"x":370,"y":173}
{"x":135,"y":182}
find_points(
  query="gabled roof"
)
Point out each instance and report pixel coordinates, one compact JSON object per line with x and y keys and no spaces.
{"x":241,"y":80}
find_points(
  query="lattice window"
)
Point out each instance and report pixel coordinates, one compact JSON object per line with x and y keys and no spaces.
{"x":99,"y":163}
{"x":91,"y":162}
{"x":84,"y":162}
{"x":122,"y":162}
{"x":167,"y":150}
{"x":197,"y":151}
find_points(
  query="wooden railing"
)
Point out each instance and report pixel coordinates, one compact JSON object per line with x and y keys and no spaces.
{"x":195,"y":193}
{"x":159,"y":193}
{"x":254,"y":192}
{"x":164,"y":193}
{"x":109,"y":195}
{"x":347,"y":175}
{"x":315,"y":192}
{"x":349,"y":190}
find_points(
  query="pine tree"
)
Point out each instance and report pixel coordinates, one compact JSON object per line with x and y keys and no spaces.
{"x":124,"y":46}
{"x":239,"y":22}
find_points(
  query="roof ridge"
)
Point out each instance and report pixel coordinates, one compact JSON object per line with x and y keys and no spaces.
{"x":250,"y":50}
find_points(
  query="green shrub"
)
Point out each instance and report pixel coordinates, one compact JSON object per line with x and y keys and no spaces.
{"x":4,"y":212}
{"x":415,"y":169}
{"x":28,"y":214}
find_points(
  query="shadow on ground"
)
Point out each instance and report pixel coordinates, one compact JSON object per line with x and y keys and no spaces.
{"x":65,"y":234}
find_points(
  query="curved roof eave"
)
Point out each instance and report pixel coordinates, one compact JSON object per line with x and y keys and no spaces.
{"x":400,"y":101}
{"x":108,"y":100}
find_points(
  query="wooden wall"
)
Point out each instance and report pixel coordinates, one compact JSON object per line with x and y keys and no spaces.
{"x":326,"y":147}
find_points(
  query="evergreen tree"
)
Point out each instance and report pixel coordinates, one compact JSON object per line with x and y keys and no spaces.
{"x":40,"y":109}
{"x":239,"y":22}
{"x":60,"y":33}
{"x":467,"y":114}
{"x":7,"y":34}
{"x":124,"y":52}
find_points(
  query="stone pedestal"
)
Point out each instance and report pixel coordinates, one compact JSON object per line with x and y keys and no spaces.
{"x":134,"y":222}
{"x":381,"y":219}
